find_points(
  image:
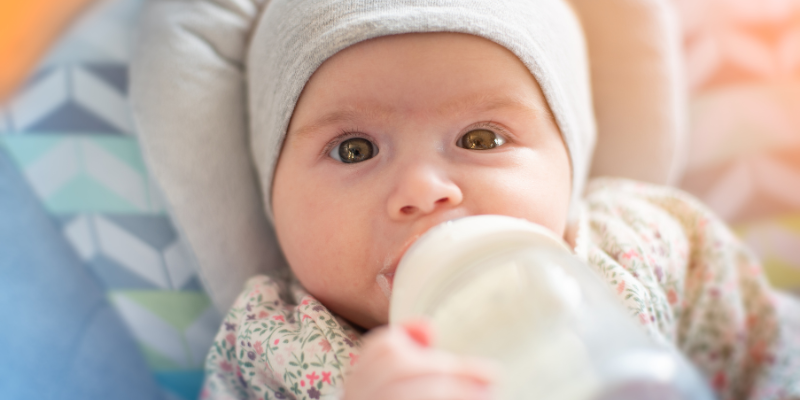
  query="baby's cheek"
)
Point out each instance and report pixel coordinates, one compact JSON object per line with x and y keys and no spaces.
{"x":527,"y":192}
{"x":342,"y":282}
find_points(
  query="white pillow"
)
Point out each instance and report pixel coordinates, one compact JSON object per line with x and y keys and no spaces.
{"x":189,"y":103}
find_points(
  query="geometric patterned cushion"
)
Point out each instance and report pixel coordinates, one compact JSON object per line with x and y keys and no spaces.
{"x":69,"y":131}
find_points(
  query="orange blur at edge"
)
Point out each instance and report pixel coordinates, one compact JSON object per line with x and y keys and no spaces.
{"x":27,"y":29}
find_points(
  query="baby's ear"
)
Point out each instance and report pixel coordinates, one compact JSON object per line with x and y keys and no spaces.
{"x":639,"y":92}
{"x":189,"y":101}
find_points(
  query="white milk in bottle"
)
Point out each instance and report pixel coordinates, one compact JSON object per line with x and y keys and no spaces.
{"x":511,"y":291}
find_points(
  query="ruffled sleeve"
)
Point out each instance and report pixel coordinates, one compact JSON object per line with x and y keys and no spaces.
{"x":268,"y":348}
{"x":687,"y":279}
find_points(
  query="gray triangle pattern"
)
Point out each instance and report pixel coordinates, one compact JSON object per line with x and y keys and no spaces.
{"x":193,"y":284}
{"x":71,"y":117}
{"x":116,"y":75}
{"x":114,"y":276}
{"x":154,"y":230}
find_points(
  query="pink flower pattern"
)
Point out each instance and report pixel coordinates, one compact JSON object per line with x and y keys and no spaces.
{"x":312,"y":377}
{"x":687,"y":279}
{"x":325,"y":345}
{"x":302,"y":346}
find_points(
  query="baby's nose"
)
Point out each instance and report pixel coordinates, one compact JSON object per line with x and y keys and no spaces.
{"x":422,"y":190}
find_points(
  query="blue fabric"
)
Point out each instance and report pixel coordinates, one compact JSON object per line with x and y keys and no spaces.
{"x":59,"y":336}
{"x":186,"y":384}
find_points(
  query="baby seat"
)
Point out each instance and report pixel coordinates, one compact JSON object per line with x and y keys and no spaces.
{"x":70,"y":134}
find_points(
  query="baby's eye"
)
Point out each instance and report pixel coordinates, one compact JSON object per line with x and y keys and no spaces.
{"x":354,"y":150}
{"x":480,"y":139}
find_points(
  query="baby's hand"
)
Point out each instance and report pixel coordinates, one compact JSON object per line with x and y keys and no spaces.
{"x":398,"y":363}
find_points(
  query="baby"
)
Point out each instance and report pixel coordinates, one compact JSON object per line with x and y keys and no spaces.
{"x":379,"y":120}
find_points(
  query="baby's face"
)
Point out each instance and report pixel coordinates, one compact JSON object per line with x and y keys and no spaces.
{"x":395,"y":135}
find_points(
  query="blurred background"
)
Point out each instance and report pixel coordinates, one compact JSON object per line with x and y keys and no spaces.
{"x":66,"y":127}
{"x":743,"y":157}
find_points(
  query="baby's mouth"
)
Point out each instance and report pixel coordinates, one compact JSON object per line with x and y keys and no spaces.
{"x":385,"y":278}
{"x":385,"y":282}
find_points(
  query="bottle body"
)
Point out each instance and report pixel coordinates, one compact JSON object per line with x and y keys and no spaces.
{"x":509,"y":290}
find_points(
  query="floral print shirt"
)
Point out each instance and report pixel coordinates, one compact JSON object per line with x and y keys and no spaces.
{"x":676,"y":267}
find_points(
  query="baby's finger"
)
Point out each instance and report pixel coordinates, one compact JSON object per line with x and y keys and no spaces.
{"x":480,"y":370}
{"x":437,"y":387}
{"x":390,"y":356}
{"x":431,"y":362}
{"x":402,"y":357}
{"x":420,"y":330}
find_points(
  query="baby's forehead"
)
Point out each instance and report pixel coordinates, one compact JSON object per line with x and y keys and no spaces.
{"x":437,"y":74}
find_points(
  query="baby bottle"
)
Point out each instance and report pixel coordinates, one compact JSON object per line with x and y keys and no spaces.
{"x":509,"y":290}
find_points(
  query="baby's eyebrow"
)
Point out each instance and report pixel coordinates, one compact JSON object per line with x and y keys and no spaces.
{"x":472,"y":104}
{"x":348,"y":115}
{"x":491,"y":102}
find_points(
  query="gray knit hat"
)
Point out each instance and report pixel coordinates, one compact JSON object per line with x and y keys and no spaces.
{"x":294,"y":37}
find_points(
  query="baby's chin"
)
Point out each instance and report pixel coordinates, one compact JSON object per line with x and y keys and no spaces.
{"x":376,"y":312}
{"x":367,"y":311}
{"x":367,"y":321}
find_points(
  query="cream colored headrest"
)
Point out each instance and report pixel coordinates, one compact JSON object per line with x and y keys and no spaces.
{"x":640,"y":97}
{"x":189,"y":98}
